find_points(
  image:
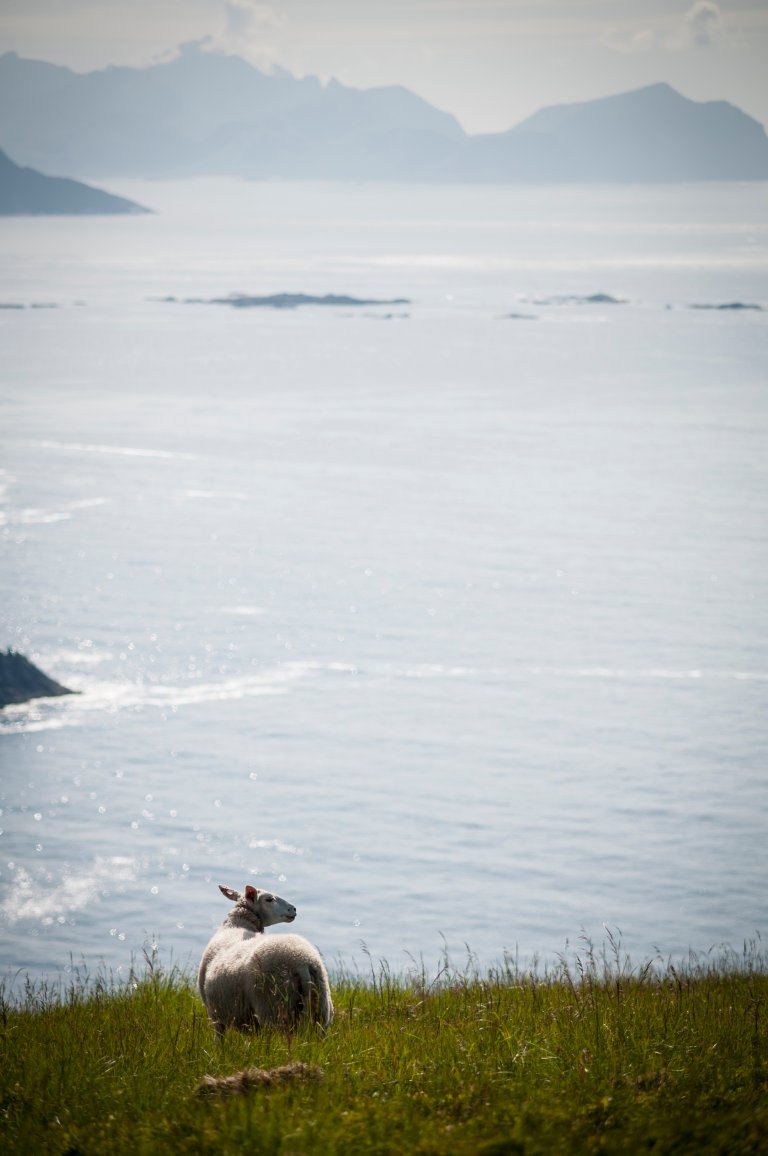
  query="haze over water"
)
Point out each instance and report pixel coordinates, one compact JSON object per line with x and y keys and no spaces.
{"x":447,"y":625}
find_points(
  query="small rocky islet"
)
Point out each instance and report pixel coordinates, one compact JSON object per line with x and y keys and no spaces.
{"x":286,"y":300}
{"x":21,"y":681}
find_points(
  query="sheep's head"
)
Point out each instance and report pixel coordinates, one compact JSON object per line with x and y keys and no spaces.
{"x":261,"y":907}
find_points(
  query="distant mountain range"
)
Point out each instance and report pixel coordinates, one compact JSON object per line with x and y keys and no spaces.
{"x":24,"y":192}
{"x":204,"y":113}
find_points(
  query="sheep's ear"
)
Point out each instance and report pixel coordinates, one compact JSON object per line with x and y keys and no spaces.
{"x":230,"y":894}
{"x":250,"y":893}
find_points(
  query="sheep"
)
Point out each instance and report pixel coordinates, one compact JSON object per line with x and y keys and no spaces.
{"x":248,"y":980}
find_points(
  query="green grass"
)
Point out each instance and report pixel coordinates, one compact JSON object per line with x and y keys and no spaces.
{"x":592,"y":1056}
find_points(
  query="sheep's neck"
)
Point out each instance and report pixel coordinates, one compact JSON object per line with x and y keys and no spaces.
{"x":243,"y":917}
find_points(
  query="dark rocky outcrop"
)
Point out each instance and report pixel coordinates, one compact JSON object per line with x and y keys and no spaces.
{"x":580,"y":299}
{"x":732,"y":306}
{"x":20,"y":680}
{"x":293,"y":300}
{"x":286,"y":300}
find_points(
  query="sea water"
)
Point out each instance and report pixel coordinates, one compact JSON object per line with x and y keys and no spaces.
{"x":445,"y":620}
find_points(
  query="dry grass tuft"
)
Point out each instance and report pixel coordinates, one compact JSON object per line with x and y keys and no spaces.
{"x":241,"y":1083}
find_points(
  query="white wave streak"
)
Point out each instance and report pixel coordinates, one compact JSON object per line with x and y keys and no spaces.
{"x":64,"y":660}
{"x":234,"y":688}
{"x":608,"y":672}
{"x":122,"y":451}
{"x":420,"y":670}
{"x":32,"y":516}
{"x":29,"y":899}
{"x":113,"y":698}
{"x":299,"y":669}
{"x":276,"y":845}
{"x":221,"y":495}
{"x":437,"y":670}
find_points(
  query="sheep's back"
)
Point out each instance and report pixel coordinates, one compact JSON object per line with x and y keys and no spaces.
{"x":284,"y":950}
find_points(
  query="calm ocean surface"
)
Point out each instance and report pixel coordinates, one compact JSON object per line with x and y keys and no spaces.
{"x":449,"y":626}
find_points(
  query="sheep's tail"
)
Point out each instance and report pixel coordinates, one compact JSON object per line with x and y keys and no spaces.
{"x":240,"y":1083}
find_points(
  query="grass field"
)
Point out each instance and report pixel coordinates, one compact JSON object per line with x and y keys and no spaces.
{"x":594,"y":1055}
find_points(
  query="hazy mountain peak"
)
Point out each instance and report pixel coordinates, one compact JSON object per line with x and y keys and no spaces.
{"x":654,"y":133}
{"x":656,"y":95}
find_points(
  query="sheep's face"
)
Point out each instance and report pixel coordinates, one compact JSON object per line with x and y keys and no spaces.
{"x":267,"y":907}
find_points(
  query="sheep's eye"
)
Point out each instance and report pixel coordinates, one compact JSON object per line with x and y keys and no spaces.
{"x":270,"y":899}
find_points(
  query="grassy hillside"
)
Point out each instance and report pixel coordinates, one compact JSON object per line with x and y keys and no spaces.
{"x":594,"y":1057}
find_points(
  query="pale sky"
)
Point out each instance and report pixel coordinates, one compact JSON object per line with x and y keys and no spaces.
{"x":490,"y":62}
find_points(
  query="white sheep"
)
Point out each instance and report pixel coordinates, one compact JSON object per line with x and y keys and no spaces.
{"x":248,"y":980}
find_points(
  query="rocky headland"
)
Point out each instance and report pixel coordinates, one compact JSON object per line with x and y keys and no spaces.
{"x":24,"y":192}
{"x":21,"y":680}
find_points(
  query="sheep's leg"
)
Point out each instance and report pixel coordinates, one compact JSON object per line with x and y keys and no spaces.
{"x":309,"y":1004}
{"x":318,"y":1000}
{"x":312,"y":1003}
